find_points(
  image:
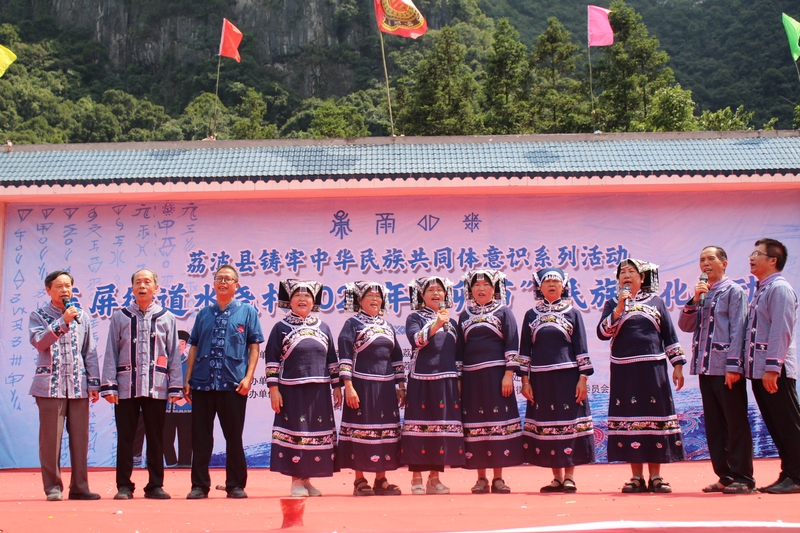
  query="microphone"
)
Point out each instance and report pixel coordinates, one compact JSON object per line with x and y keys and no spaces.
{"x":442,"y":305}
{"x":67,"y":304}
{"x":704,"y":279}
{"x":626,"y":287}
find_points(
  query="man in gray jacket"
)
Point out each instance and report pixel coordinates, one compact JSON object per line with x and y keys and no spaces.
{"x":716,"y":315}
{"x":770,"y":359}
{"x":67,"y":378}
{"x":141,"y":370}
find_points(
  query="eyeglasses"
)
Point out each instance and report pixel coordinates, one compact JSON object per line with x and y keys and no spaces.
{"x":756,"y":253}
{"x":226,"y":280}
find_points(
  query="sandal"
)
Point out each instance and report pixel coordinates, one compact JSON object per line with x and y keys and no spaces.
{"x":382,"y":487}
{"x":499,"y":486}
{"x":554,"y":486}
{"x":481,"y":486}
{"x":416,"y":486}
{"x":657,"y":484}
{"x":570,"y":486}
{"x":738,"y":488}
{"x":361,"y":488}
{"x":435,"y":486}
{"x":298,"y":489}
{"x":636,"y":484}
{"x":714,"y":487}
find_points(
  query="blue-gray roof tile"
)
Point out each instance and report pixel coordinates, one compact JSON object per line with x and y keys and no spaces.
{"x":513,"y":158}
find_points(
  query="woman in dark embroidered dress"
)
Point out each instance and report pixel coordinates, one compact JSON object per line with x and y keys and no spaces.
{"x":559,"y":433}
{"x":642,"y":424}
{"x":370,"y":364}
{"x":432,"y":432}
{"x":492,"y":428}
{"x":301,"y":369}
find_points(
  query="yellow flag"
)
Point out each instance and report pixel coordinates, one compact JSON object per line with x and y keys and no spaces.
{"x":6,"y":58}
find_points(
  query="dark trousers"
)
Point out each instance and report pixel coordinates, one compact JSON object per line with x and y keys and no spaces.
{"x":781,"y":414}
{"x":730,"y":442}
{"x":230,"y":407}
{"x":180,"y":423}
{"x":127,"y":419}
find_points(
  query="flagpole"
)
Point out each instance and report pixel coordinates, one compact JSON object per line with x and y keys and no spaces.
{"x":797,"y":69}
{"x":216,"y":98}
{"x":591,"y":86}
{"x":386,"y":74}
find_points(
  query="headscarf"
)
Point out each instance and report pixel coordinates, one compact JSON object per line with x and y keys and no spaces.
{"x":355,"y":291}
{"x":417,"y":287}
{"x":495,"y":277}
{"x":649,"y":270}
{"x":290,"y":286}
{"x":550,"y":273}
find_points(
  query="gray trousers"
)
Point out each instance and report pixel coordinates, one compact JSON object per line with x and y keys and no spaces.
{"x":52,"y":412}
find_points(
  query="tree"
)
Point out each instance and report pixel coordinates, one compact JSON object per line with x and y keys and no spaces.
{"x":197,"y":119}
{"x":252,"y":108}
{"x":94,"y":122}
{"x":441,"y":94}
{"x":371,"y":104}
{"x":300,"y":122}
{"x":139,"y":120}
{"x":726,"y":120}
{"x":630,"y":71}
{"x":337,"y":121}
{"x":672,"y":110}
{"x":504,"y":86}
{"x":559,"y":101}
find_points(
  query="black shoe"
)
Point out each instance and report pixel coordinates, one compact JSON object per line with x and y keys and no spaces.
{"x":124,"y":494}
{"x":787,"y":486}
{"x":157,"y":494}
{"x":84,"y":496}
{"x":237,"y":493}
{"x":774,"y":483}
{"x":197,"y":494}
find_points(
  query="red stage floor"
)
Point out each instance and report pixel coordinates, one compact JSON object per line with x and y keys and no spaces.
{"x":598,"y":505}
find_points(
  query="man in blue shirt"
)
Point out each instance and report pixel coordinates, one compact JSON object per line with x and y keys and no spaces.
{"x":220,"y":369}
{"x":770,"y":359}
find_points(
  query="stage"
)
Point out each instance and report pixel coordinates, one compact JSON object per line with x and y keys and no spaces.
{"x":598,"y":505}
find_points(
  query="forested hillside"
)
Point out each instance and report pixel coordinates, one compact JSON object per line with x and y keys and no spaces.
{"x":727,"y":52}
{"x":121,"y":70}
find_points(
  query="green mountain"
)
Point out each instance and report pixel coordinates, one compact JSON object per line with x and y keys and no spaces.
{"x":100,"y":70}
{"x":727,"y":52}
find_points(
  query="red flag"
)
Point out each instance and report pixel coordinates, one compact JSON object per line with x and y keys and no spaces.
{"x":400,"y":17}
{"x":229,"y":43}
{"x":600,"y":32}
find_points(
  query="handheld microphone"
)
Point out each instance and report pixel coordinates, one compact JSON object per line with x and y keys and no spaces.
{"x":442,"y":305}
{"x":67,"y":304}
{"x":704,"y":279}
{"x":627,"y":300}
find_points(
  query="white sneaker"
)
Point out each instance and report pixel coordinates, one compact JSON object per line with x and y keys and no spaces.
{"x":312,"y":490}
{"x":298,"y":489}
{"x":435,"y":486}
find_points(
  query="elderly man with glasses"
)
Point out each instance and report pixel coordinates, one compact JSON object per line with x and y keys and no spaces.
{"x":220,"y":369}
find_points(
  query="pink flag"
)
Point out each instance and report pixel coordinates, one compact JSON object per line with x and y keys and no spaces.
{"x":600,"y":32}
